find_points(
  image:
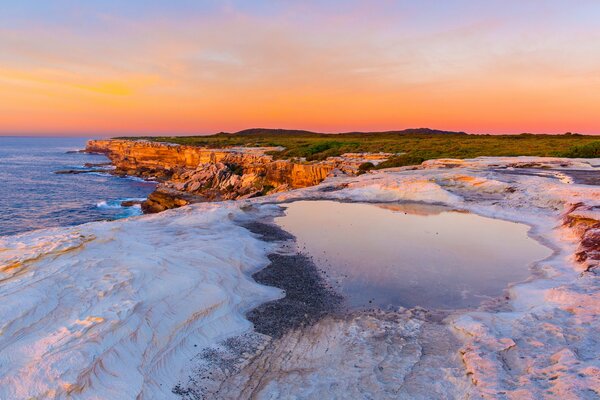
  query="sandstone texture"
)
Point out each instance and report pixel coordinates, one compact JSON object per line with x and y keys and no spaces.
{"x":190,"y":174}
{"x":155,"y":307}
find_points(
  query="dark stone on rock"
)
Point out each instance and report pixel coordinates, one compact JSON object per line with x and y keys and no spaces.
{"x":79,"y":171}
{"x":130,"y":203}
{"x":164,"y":198}
{"x":159,"y":201}
{"x":307,"y":297}
{"x":92,"y":165}
{"x":267,"y":232}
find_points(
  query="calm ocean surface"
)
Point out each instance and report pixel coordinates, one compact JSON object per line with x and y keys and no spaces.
{"x":32,"y":196}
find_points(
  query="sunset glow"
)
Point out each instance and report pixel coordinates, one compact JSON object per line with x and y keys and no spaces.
{"x":112,"y":67}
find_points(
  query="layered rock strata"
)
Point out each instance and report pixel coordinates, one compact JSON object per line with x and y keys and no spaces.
{"x":191,"y":174}
{"x":154,"y":307}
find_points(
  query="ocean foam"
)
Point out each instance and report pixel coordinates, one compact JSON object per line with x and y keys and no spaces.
{"x":116,"y":204}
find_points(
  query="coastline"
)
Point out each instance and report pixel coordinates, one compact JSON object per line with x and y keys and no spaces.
{"x":191,"y":174}
{"x":33,"y":196}
{"x":559,"y":299}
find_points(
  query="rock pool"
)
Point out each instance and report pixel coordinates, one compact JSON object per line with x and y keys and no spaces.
{"x":412,"y":254}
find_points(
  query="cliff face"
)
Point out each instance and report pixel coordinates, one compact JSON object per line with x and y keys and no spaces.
{"x":209,"y":174}
{"x":165,"y":160}
{"x":129,"y":155}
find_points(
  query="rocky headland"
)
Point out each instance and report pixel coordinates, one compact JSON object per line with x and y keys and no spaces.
{"x":212,"y":301}
{"x":190,"y":174}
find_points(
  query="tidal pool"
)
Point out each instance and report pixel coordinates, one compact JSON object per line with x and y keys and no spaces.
{"x":411,"y":254}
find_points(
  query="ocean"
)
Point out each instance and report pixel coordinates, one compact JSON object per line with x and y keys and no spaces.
{"x":32,"y":196}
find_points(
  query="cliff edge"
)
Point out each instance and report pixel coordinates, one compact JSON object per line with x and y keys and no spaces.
{"x":192,"y":174}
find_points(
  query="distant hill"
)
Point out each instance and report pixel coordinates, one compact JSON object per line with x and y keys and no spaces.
{"x":267,"y":131}
{"x":293,"y":132}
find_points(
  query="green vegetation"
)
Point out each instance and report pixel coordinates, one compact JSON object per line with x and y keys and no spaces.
{"x":364,"y":167}
{"x":405,"y":159}
{"x":588,"y":150}
{"x":411,"y":146}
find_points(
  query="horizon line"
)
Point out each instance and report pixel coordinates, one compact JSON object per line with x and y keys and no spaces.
{"x":157,"y":134}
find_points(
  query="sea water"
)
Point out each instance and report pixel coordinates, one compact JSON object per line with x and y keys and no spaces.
{"x":32,"y":196}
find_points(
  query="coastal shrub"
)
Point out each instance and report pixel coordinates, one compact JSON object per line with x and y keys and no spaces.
{"x":333,"y":152}
{"x":364,"y":167}
{"x":589,"y":150}
{"x":320,"y":147}
{"x":426,"y":146}
{"x":402,"y":161}
{"x":322,"y":150}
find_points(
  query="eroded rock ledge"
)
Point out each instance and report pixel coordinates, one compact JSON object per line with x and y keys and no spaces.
{"x":190,"y":174}
{"x":113,"y":328}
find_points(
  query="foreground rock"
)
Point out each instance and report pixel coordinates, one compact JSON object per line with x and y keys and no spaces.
{"x":154,"y":306}
{"x":217,"y":174}
{"x":165,"y":198}
{"x":539,"y":341}
{"x":130,"y":203}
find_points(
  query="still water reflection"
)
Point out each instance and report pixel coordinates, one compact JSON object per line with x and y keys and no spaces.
{"x":412,"y":254}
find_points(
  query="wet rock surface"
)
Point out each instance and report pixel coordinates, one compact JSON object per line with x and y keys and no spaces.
{"x":366,"y":355}
{"x":584,"y":177}
{"x":164,"y":199}
{"x":93,"y":165}
{"x":81,"y":171}
{"x":130,"y":203}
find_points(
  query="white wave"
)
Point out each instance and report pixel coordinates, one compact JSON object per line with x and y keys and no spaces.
{"x":132,"y":211}
{"x":138,"y":179}
{"x":104,"y":204}
{"x":116,"y":204}
{"x":105,"y":174}
{"x":128,"y":177}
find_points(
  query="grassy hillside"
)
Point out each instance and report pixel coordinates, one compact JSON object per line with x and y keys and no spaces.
{"x":417,"y":144}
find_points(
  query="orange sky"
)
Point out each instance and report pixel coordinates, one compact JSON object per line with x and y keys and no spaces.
{"x":326,"y":66}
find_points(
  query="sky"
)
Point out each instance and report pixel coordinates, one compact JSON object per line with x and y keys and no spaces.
{"x":193,"y":67}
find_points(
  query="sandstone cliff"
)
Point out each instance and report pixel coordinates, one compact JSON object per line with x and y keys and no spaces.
{"x":189,"y":173}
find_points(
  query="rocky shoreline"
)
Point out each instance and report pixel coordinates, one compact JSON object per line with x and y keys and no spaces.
{"x":514,"y":348}
{"x":191,"y":338}
{"x":311,"y":314}
{"x":189,"y":174}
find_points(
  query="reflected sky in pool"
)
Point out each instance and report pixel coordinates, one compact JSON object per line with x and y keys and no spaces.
{"x":412,"y":254}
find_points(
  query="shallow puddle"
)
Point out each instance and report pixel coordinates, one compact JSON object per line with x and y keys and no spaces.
{"x":412,"y":254}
